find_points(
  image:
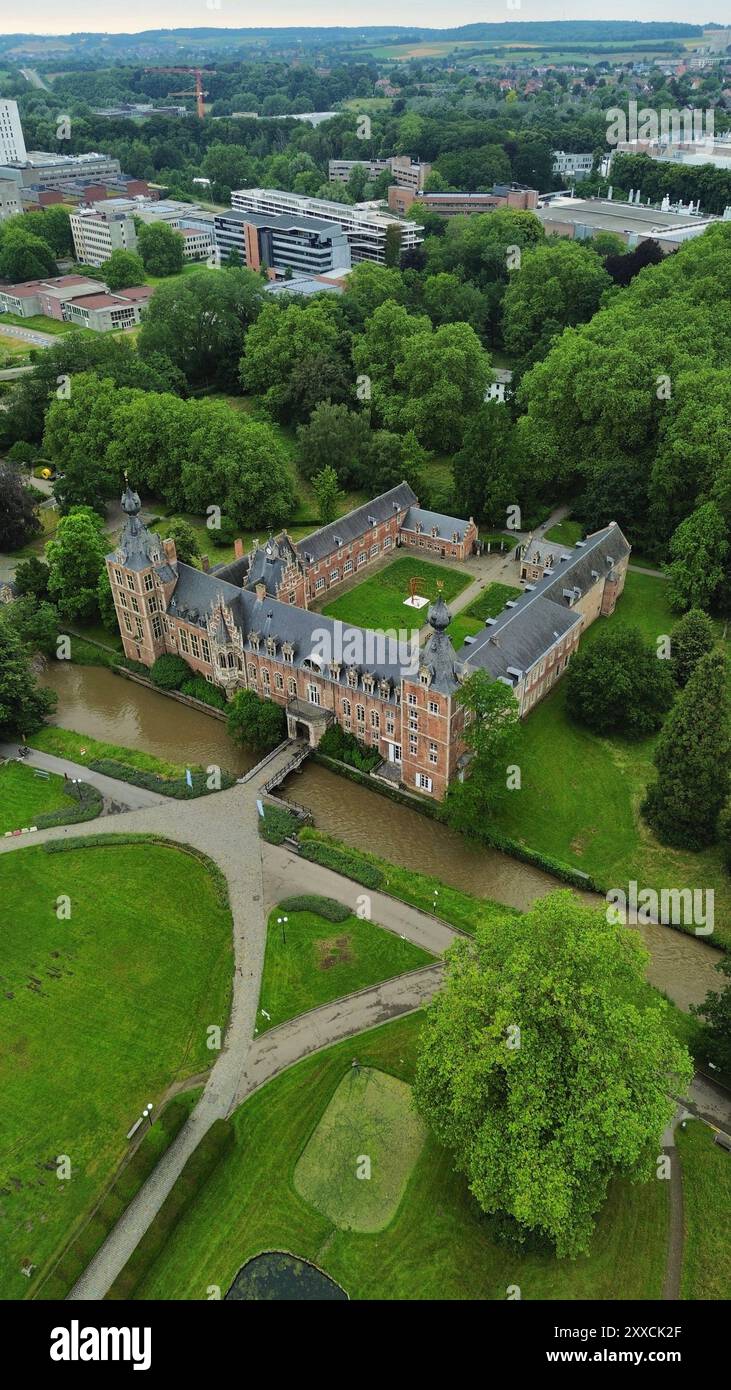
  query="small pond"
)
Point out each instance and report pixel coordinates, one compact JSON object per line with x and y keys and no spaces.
{"x":276,"y":1275}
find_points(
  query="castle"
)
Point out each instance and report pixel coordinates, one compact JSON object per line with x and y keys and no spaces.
{"x":248,"y":625}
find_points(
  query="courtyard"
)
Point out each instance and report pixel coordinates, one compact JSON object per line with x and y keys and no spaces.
{"x":379,"y":602}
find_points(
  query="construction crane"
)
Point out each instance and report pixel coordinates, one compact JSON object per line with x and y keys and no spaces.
{"x":199,"y":92}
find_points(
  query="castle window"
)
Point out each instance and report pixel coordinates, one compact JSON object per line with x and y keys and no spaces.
{"x":291,"y":687}
{"x":149,"y":583}
{"x":423,"y":782}
{"x":348,"y":724}
{"x":433,"y":753}
{"x":222,"y":661}
{"x":271,"y":646}
{"x":433,"y":707}
{"x":313,"y":693}
{"x":278,"y":680}
{"x":320,"y":584}
{"x":288,"y":652}
{"x":334,"y":576}
{"x":195,"y":645}
{"x":231,"y":661}
{"x":138,"y":634}
{"x":348,"y":567}
{"x":375,"y":719}
{"x":127,"y":621}
{"x":130,"y":581}
{"x":413,"y":744}
{"x":205,"y":649}
{"x":352,"y":675}
{"x":362,"y":558}
{"x":389,"y":724}
{"x":157,"y":627}
{"x":265,"y":679}
{"x":135,"y":604}
{"x":346,"y":707}
{"x":360,"y":714}
{"x":374,"y":550}
{"x":123,"y":599}
{"x":118,"y":576}
{"x":387,"y":543}
{"x":183,"y":640}
{"x":412,"y":699}
{"x":252,"y":673}
{"x":152,"y":603}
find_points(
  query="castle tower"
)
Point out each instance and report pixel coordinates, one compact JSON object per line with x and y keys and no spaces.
{"x":428,"y":718}
{"x":143,"y":574}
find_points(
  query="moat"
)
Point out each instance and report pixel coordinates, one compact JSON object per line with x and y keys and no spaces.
{"x":95,"y":701}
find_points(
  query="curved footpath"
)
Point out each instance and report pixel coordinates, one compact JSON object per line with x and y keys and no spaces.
{"x":224,"y":827}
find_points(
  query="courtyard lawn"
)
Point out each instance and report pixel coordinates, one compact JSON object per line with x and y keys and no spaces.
{"x":436,"y":1246}
{"x":706,"y":1205}
{"x":312,"y":960}
{"x":102,"y":1009}
{"x":379,"y":601}
{"x":581,"y":794}
{"x":565,"y":532}
{"x":471,"y":620}
{"x":23,"y":796}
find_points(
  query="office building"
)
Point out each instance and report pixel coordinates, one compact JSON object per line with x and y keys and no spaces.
{"x":99,"y":231}
{"x":284,"y":241}
{"x":366,"y":227}
{"x":12,"y":142}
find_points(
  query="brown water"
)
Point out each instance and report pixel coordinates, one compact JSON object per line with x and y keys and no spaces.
{"x":92,"y":700}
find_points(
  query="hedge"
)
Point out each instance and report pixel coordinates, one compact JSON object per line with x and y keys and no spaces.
{"x":88,"y":809}
{"x":168,"y":672}
{"x":201,"y":689}
{"x":176,"y":787}
{"x":216,"y":1142}
{"x":328,"y":908}
{"x":130,"y":1178}
{"x":217,"y":875}
{"x":342,"y":862}
{"x":277,"y":824}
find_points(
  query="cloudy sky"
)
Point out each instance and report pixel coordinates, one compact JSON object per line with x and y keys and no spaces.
{"x":129,"y":16}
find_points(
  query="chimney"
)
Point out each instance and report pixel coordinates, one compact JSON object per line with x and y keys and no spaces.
{"x":205,"y":564}
{"x":171,"y":554}
{"x":238,"y":548}
{"x":261,"y":591}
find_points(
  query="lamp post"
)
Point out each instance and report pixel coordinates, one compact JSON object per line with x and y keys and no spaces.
{"x":281,"y":922}
{"x":147,"y":1113}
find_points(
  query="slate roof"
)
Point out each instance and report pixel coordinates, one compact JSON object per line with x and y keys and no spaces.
{"x":447,"y":525}
{"x":354,"y":524}
{"x":521,"y":635}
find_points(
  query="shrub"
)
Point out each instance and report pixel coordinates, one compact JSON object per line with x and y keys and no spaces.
{"x":200,"y":689}
{"x":328,"y":908}
{"x":336,"y":743}
{"x":617,"y":685}
{"x":21,"y":452}
{"x":342,"y":862}
{"x":89,"y":804}
{"x":254,"y":723}
{"x":277,"y":824}
{"x":136,"y":666}
{"x":176,"y":787}
{"x":169,"y":672}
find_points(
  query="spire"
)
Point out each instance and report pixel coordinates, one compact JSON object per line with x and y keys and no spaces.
{"x":130,"y":500}
{"x":439,"y":615}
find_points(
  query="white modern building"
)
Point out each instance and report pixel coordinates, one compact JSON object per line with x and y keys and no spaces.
{"x":11,"y":202}
{"x":572,"y":166}
{"x":691,"y":152}
{"x":12,"y":142}
{"x":41,"y":167}
{"x":364,"y":224}
{"x":405,"y":171}
{"x":98,"y":233}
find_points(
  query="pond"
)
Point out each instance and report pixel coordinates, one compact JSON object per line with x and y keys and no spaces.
{"x":276,"y":1275}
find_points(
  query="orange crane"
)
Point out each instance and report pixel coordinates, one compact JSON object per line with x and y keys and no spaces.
{"x":199,"y":92}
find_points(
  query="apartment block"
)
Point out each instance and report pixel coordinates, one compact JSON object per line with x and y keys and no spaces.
{"x":280,"y":242}
{"x":406,"y":172}
{"x":365,"y":226}
{"x":513,"y":195}
{"x":97,"y":232}
{"x":12,"y":141}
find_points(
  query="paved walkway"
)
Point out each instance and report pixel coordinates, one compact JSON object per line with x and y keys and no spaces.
{"x":122,"y":795}
{"x":28,"y":335}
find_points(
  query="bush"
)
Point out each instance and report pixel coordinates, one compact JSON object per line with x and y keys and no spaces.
{"x":617,"y":685}
{"x":169,"y":672}
{"x":200,"y":689}
{"x":137,"y":666}
{"x":328,"y":908}
{"x":342,"y":862}
{"x":336,"y":743}
{"x":216,"y":1142}
{"x":21,"y":452}
{"x":254,"y":723}
{"x":277,"y":824}
{"x":724,"y":831}
{"x":89,"y":804}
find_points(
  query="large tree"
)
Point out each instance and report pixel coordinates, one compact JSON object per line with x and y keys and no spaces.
{"x":698,"y":549}
{"x":18,"y":509}
{"x":491,"y":718}
{"x":547,"y":1068}
{"x":23,"y":705}
{"x":559,"y":284}
{"x":199,"y":323}
{"x":25,"y":257}
{"x":123,"y":269}
{"x":690,"y":639}
{"x":78,"y":433}
{"x":692,"y":760}
{"x":76,"y":559}
{"x":254,"y":723}
{"x":716,"y":1014}
{"x":295,"y":357}
{"x":161,"y":249}
{"x":618,"y":684}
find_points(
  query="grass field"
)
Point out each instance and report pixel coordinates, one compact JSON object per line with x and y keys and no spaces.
{"x":358,"y":1161}
{"x":472,"y":619}
{"x":379,"y":601}
{"x":706,"y":1206}
{"x":23,"y":796}
{"x":436,"y":1247}
{"x":581,"y":794}
{"x":311,"y":960}
{"x":80,"y":748}
{"x":566,"y":532}
{"x":101,"y":1010}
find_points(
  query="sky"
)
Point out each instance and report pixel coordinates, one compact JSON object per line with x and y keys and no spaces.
{"x":130,"y":16}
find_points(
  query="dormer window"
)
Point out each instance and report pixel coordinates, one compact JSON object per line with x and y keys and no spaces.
{"x":368,"y":682}
{"x":384,"y":688}
{"x":352,"y":675}
{"x":255,"y":639}
{"x":425,"y":675}
{"x":335,"y":670}
{"x":288,"y":652}
{"x":435,"y":532}
{"x":418,"y":528}
{"x":271,"y":645}
{"x":455,"y":537}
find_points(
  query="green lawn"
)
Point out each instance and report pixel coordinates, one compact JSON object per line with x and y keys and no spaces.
{"x":312,"y":960}
{"x":436,"y":1246}
{"x":102,"y":1010}
{"x":706,"y":1206}
{"x":379,"y":601}
{"x":23,"y":796}
{"x":472,"y":619}
{"x":81,"y":748}
{"x":357,"y":1163}
{"x":580,"y":794}
{"x":38,"y":323}
{"x":566,"y":532}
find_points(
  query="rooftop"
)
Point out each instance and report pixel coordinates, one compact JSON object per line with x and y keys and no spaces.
{"x":609,"y":215}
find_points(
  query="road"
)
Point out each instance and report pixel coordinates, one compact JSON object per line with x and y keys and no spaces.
{"x":28,"y":335}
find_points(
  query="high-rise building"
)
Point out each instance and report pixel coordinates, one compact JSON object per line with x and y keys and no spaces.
{"x":12,"y":143}
{"x":282,"y":241}
{"x":97,"y":233}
